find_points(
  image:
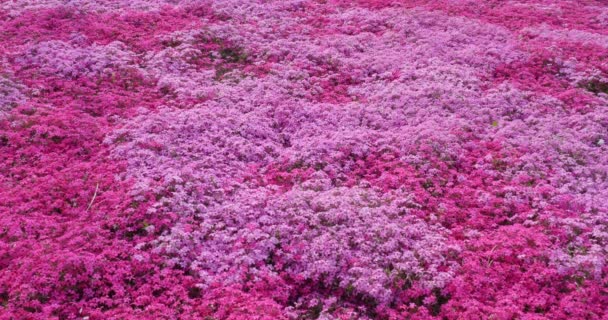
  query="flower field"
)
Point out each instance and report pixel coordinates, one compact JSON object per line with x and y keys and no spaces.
{"x":303,"y":159}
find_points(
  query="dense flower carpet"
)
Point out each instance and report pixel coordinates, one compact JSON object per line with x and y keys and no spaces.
{"x":303,"y":159}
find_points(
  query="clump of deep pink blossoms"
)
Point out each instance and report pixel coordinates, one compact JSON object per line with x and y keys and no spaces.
{"x":371,"y":159}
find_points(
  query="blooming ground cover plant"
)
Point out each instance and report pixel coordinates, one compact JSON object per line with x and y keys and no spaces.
{"x":303,"y":159}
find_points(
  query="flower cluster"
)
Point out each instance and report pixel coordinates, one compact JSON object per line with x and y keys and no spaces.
{"x":370,"y":159}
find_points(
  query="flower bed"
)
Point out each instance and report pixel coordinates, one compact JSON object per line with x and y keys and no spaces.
{"x":303,"y":159}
